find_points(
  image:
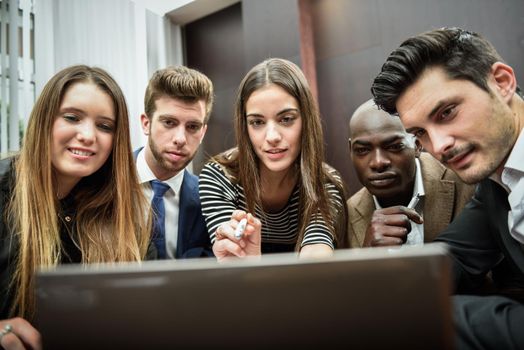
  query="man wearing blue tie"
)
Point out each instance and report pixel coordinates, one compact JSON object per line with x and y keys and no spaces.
{"x":178,"y":102}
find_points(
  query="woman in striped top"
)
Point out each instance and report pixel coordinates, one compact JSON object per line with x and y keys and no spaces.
{"x":275,"y":177}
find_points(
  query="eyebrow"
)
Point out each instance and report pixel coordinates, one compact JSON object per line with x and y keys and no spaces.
{"x":172,"y":116}
{"x":83,"y":113}
{"x":284,"y":111}
{"x":435,"y":109}
{"x":386,"y":141}
{"x":71,"y":110}
{"x":392,"y":139}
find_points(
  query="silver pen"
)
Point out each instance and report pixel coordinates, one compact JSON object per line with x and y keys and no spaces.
{"x":241,"y":227}
{"x":414,"y":202}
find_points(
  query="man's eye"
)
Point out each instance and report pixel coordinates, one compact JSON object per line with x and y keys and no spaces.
{"x":396,"y":147}
{"x":419,"y":133}
{"x":361,"y":151}
{"x":194,"y":127}
{"x":448,"y":112}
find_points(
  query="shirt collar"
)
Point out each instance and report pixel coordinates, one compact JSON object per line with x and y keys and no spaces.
{"x":145,"y":174}
{"x":418,"y":187}
{"x":513,"y":164}
{"x":515,"y":157}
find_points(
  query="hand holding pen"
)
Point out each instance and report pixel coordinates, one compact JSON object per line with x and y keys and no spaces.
{"x":238,"y":237}
{"x":390,"y":226}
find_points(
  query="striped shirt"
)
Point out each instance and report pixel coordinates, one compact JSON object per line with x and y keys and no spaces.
{"x":220,"y":197}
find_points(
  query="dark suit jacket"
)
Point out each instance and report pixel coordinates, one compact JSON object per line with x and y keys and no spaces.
{"x":193,"y":240}
{"x":445,"y":197}
{"x":480,"y":241}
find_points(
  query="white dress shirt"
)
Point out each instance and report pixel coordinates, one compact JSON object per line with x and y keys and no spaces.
{"x":513,"y":179}
{"x":171,"y":199}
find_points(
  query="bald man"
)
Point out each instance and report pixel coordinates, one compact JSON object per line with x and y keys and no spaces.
{"x":408,"y":196}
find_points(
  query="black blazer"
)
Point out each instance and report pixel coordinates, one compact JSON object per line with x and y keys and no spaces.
{"x":480,"y":241}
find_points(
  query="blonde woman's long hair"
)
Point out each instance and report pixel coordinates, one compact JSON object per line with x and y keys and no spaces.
{"x":110,"y":220}
{"x":313,"y":173}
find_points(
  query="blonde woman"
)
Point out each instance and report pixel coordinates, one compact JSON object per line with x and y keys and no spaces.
{"x":72,"y":194}
{"x":276,"y":177}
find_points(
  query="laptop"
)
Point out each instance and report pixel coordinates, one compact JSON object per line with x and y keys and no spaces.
{"x":359,"y":298}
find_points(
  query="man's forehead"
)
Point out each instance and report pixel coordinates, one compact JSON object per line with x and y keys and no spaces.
{"x":384,"y":135}
{"x":423,"y":95}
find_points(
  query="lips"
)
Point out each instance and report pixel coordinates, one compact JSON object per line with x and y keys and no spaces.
{"x":382,"y":180}
{"x":81,"y":152}
{"x":276,"y":153}
{"x":276,"y":150}
{"x":176,"y":156}
{"x":458,"y":159}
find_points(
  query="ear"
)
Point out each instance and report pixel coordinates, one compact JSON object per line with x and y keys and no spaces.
{"x":349,"y":145}
{"x":146,"y":124}
{"x":418,"y":148}
{"x":204,"y":129}
{"x":504,"y":79}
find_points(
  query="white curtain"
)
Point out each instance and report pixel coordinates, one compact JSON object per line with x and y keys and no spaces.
{"x":112,"y":34}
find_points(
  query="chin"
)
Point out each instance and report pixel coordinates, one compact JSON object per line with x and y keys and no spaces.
{"x":473,"y":176}
{"x":385,"y":192}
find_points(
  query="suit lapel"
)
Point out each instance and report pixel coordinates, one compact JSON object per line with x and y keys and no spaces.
{"x":440,"y":194}
{"x":186,"y":213}
{"x":364,"y":209}
{"x":500,"y":208}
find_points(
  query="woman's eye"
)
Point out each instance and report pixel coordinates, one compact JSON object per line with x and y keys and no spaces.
{"x":255,"y":122}
{"x":71,"y":117}
{"x":288,"y":119}
{"x":106,"y":127}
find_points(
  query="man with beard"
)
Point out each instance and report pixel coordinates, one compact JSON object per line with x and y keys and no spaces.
{"x":408,"y":196}
{"x":454,"y":92}
{"x":178,"y":101}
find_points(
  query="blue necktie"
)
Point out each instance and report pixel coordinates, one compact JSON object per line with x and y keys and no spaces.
{"x":159,"y":214}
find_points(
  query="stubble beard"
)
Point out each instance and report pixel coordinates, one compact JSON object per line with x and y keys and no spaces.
{"x":167,"y":166}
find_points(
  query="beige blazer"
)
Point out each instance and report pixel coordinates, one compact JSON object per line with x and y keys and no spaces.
{"x":445,"y":196}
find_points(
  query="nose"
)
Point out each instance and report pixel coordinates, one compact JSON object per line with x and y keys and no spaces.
{"x":86,"y":132}
{"x":440,"y":143}
{"x":379,"y":162}
{"x":273,"y":135}
{"x":179,"y":135}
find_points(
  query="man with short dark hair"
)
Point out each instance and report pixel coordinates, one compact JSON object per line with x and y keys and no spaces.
{"x":453,"y":91}
{"x":402,"y":185}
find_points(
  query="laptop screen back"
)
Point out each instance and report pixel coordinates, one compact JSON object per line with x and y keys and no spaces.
{"x":372,"y":298}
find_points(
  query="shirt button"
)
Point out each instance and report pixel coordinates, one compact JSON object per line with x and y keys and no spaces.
{"x":68,"y":218}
